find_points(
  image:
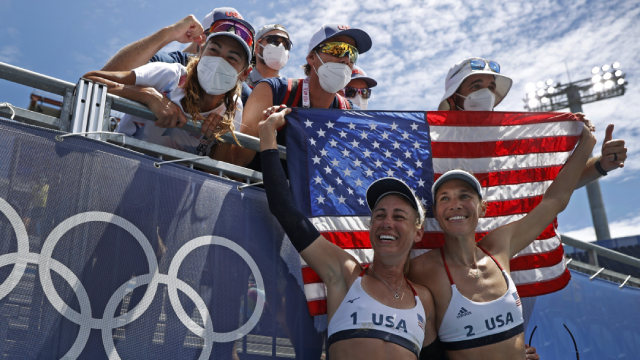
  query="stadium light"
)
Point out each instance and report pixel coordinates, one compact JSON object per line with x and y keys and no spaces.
{"x":602,"y":84}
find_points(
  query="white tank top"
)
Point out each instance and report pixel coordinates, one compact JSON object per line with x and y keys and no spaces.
{"x":361,"y":316}
{"x":468,"y":324}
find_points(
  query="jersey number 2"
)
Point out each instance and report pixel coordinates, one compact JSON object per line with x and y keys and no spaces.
{"x":470,"y":328}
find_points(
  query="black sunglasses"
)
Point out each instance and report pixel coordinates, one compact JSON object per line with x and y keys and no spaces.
{"x":575,"y":346}
{"x":351,"y":92}
{"x":276,"y":40}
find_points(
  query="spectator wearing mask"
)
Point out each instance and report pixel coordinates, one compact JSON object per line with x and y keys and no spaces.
{"x":272,"y":53}
{"x":332,"y":53}
{"x":358,"y":90}
{"x":476,"y":84}
{"x":149,"y":49}
{"x":208,"y":88}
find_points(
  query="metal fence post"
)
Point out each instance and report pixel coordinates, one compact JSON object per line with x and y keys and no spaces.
{"x":91,"y":109}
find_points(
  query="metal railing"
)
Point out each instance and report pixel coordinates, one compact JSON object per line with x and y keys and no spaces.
{"x":68,"y":91}
{"x":594,"y":251}
{"x":602,"y":273}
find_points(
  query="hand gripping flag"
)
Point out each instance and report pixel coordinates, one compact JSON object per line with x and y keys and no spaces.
{"x":334,"y":155}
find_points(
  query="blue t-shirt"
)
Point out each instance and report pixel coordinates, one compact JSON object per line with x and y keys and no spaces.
{"x":279,"y":90}
{"x":183,"y":58}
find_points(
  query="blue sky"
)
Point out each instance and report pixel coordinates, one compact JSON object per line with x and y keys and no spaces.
{"x":414,"y":44}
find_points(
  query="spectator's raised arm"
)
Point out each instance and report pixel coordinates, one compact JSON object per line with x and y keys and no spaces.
{"x":140,"y":52}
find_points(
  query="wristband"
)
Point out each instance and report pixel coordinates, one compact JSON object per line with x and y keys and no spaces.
{"x":599,"y":167}
{"x":300,"y":230}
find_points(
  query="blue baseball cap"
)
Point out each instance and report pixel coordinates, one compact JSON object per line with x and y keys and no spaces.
{"x":358,"y":73}
{"x":231,"y":14}
{"x":363,"y":40}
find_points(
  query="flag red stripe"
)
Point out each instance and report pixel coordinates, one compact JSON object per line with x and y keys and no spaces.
{"x":515,"y":177}
{"x":536,"y":261}
{"x":494,"y":118}
{"x":309,"y":276}
{"x":545,"y":287}
{"x":317,"y":307}
{"x":512,"y":207}
{"x":474,"y":150}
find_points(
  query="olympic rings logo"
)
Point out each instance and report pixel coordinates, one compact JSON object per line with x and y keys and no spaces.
{"x":108,"y":322}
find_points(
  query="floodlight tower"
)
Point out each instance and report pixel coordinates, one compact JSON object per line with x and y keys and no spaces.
{"x":606,"y":82}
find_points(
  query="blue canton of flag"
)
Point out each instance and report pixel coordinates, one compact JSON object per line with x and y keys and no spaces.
{"x":335,"y":155}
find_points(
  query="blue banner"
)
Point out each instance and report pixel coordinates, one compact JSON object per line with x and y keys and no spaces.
{"x":105,"y":256}
{"x":603,"y":319}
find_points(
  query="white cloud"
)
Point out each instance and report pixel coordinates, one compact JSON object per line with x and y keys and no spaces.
{"x":10,"y":54}
{"x":618,"y":229}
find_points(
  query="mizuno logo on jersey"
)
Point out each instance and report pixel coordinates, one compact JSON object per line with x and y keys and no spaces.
{"x":463,"y":312}
{"x":351,"y":301}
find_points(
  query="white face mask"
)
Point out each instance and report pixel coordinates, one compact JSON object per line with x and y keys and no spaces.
{"x":275,"y":57}
{"x":481,"y":100}
{"x":333,"y":76}
{"x":359,"y":101}
{"x":216,"y":75}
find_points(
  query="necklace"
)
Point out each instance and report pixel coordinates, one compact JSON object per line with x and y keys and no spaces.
{"x":395,"y":293}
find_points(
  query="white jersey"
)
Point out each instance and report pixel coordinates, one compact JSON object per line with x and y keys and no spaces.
{"x":468,"y":324}
{"x":361,"y":316}
{"x":167,"y":79}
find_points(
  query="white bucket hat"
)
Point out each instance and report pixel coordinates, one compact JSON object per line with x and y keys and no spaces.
{"x":462,"y":70}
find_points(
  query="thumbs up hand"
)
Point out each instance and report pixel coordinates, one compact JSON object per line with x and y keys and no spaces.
{"x":613,"y":151}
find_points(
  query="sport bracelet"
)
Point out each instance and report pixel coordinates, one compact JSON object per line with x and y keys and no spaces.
{"x":599,"y":167}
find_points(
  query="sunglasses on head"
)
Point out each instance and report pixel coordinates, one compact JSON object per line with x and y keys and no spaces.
{"x":340,"y":49}
{"x":352,"y":92}
{"x":276,"y":40}
{"x":478,"y":65}
{"x":233,"y":27}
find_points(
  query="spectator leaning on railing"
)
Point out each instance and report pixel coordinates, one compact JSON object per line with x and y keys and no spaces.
{"x":333,"y":50}
{"x":208,"y":88}
{"x":477,"y":84}
{"x":148,"y":49}
{"x":272,"y":48}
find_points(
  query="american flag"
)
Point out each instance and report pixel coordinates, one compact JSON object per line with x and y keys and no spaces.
{"x":334,"y":155}
{"x":420,"y":322}
{"x":516,"y":297}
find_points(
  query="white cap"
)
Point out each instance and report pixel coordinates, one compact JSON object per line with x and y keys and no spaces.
{"x":456,"y":174}
{"x":462,"y":70}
